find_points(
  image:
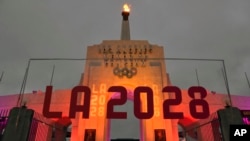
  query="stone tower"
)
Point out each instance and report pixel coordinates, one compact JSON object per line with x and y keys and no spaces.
{"x":131,"y":64}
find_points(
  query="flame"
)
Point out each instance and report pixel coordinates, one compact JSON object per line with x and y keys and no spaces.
{"x":126,"y":8}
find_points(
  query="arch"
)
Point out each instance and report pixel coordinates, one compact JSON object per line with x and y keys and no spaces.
{"x":130,"y":96}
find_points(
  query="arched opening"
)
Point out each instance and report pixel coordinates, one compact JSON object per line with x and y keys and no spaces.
{"x":130,"y":128}
{"x":125,"y":128}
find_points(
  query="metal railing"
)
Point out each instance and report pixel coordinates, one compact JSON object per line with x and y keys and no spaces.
{"x":41,"y":128}
{"x":3,"y":120}
{"x":205,"y":130}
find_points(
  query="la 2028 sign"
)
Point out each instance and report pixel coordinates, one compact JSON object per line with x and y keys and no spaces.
{"x":111,"y":114}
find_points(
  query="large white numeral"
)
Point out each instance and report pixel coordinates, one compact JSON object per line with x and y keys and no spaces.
{"x":93,"y":111}
{"x":94,"y":100}
{"x":102,"y":99}
{"x":101,"y":111}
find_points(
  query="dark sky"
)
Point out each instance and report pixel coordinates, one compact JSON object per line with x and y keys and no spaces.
{"x":214,"y":29}
{"x":186,"y":28}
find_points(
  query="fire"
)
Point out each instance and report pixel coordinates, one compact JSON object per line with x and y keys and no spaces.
{"x":126,"y":8}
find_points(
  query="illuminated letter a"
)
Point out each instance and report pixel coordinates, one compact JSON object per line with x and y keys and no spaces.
{"x":80,"y":108}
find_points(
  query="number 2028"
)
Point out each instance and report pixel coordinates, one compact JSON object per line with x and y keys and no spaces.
{"x":167,"y":114}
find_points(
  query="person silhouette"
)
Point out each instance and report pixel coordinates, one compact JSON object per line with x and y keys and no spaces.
{"x":160,"y":135}
{"x":90,"y":136}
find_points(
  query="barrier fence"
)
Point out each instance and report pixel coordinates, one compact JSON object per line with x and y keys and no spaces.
{"x":28,"y":125}
{"x":3,"y":120}
{"x":205,"y":130}
{"x":41,"y":128}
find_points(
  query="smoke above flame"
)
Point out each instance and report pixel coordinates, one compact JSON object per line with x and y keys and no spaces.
{"x":126,"y":8}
